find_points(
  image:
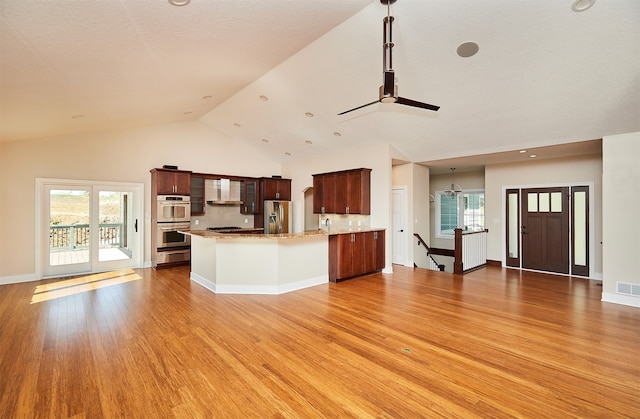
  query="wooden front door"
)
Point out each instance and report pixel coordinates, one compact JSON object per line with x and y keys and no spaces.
{"x":545,"y":229}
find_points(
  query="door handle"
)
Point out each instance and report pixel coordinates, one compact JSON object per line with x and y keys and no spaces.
{"x":136,"y":225}
{"x":400,"y":231}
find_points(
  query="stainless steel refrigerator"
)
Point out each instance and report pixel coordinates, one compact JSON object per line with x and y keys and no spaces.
{"x":277,"y":217}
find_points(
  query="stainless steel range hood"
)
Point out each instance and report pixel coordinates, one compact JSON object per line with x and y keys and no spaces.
{"x":222,"y":192}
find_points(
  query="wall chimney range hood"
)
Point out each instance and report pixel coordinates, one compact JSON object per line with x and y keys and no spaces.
{"x":222,"y":192}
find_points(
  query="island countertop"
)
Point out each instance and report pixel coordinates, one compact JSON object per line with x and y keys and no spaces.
{"x":258,"y":236}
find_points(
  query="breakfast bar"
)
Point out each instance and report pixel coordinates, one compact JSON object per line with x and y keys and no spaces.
{"x":231,"y":263}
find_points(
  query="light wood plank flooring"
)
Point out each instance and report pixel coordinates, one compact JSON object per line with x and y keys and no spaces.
{"x":494,"y":343}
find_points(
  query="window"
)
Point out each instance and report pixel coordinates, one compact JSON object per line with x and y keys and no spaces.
{"x":465,"y":211}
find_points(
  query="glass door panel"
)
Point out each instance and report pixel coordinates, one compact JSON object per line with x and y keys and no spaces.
{"x":580,"y":230}
{"x":68,"y":230}
{"x":113,"y":216}
{"x":118,"y":239}
{"x":513,"y":228}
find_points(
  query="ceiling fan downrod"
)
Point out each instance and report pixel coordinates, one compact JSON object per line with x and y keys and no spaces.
{"x":388,"y":90}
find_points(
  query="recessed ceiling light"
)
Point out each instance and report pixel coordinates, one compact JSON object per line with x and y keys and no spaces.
{"x":308,"y":114}
{"x":77,"y":116}
{"x":235,"y":124}
{"x":264,"y":98}
{"x":533,"y":156}
{"x":286,"y":153}
{"x":522,"y":151}
{"x":179,"y":2}
{"x":264,"y":140}
{"x":582,"y":5}
{"x":308,"y":142}
{"x":337,"y":134}
{"x":468,"y":49}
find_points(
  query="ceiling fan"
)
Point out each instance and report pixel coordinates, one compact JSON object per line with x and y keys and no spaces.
{"x":389,"y":90}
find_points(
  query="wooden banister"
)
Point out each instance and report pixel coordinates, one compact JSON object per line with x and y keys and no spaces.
{"x":426,"y":246}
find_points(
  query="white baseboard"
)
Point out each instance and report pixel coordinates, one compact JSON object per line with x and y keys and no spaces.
{"x":259,"y":289}
{"x":16,"y":279}
{"x":626,"y":300}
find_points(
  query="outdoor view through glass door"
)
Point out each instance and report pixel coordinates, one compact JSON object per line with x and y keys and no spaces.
{"x":89,"y":228}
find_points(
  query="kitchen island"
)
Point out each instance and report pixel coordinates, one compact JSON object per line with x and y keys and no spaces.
{"x":232,"y":263}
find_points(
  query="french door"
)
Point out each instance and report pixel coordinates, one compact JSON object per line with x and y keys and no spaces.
{"x":88,"y":227}
{"x":547,"y":229}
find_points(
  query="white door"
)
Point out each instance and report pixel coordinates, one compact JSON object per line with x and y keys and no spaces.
{"x":399,"y":214}
{"x":86,"y":227}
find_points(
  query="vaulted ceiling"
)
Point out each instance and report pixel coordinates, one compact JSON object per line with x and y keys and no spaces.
{"x":276,"y":73}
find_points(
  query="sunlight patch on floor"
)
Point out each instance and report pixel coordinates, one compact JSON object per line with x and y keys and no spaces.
{"x":81,"y":284}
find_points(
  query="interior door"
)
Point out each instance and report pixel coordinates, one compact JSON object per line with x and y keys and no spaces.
{"x":398,"y":208}
{"x":545,"y":229}
{"x":87,"y":227}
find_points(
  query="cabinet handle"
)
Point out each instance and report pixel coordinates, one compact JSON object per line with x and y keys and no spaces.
{"x":347,"y":210}
{"x":375,"y":235}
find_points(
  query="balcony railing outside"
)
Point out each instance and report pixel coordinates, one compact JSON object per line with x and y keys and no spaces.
{"x":73,"y":237}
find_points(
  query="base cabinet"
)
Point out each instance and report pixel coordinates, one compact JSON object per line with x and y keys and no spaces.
{"x":355,"y":254}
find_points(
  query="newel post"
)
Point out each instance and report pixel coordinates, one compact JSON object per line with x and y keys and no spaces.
{"x":457,"y":252}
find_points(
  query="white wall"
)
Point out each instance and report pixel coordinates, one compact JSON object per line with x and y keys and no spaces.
{"x":119,"y":156}
{"x":620,"y":215}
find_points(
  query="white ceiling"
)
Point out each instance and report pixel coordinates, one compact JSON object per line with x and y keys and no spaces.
{"x":544,"y":74}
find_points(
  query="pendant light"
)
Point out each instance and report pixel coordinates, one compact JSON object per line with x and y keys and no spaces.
{"x":453,"y":189}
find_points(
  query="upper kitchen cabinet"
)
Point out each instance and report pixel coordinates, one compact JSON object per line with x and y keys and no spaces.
{"x":275,"y":189}
{"x":344,"y":192}
{"x":171,"y":182}
{"x":197,"y":195}
{"x":250,"y":196}
{"x":324,"y":193}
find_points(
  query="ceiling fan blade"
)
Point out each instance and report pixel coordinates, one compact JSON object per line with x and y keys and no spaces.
{"x":375,"y":101}
{"x":416,"y":104}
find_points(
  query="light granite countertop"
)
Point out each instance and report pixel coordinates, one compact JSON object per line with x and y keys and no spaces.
{"x":308,"y":233}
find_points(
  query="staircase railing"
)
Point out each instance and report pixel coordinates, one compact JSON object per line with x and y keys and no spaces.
{"x":470,"y":250}
{"x":433,"y":265}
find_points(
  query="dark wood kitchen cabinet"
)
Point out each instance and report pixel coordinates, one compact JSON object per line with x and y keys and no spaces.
{"x":355,"y":254}
{"x":343,"y":192}
{"x":353,"y":192}
{"x":250,"y":196}
{"x":374,"y":251}
{"x":275,"y":189}
{"x":197,"y":195}
{"x":324,"y":193}
{"x":171,"y":182}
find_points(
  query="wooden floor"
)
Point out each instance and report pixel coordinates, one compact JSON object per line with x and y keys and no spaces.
{"x":498,"y":343}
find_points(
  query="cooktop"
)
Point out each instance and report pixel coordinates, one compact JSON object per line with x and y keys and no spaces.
{"x":223,"y":228}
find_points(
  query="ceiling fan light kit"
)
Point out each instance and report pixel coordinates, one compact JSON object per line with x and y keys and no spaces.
{"x":389,"y":90}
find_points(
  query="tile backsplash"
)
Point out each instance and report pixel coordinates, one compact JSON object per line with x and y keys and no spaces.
{"x":344,"y":222}
{"x":221,"y":216}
